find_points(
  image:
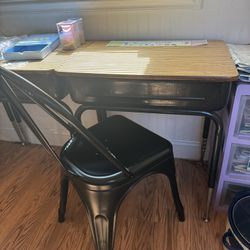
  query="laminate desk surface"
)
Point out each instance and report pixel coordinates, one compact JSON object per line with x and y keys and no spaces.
{"x":46,"y":65}
{"x":207,"y":62}
{"x":54,"y":60}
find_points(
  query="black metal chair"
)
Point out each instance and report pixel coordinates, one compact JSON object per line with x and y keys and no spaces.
{"x":102,"y":162}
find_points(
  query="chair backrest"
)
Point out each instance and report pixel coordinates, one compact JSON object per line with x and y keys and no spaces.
{"x":11,"y":82}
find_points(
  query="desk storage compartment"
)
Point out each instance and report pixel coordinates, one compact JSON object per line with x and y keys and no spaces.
{"x":49,"y":83}
{"x":45,"y":81}
{"x":229,"y":190}
{"x":197,"y":95}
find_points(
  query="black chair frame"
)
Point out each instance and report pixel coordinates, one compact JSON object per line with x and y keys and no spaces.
{"x":101,"y":196}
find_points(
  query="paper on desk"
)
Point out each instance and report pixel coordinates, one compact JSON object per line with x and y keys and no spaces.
{"x":241,"y":57}
{"x":244,"y":78}
{"x":240,"y":54}
{"x":151,"y":43}
{"x":244,"y":69}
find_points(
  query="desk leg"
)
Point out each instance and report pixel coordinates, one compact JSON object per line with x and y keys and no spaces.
{"x":16,"y":121}
{"x":204,"y":138}
{"x":214,"y":161}
{"x":101,"y":115}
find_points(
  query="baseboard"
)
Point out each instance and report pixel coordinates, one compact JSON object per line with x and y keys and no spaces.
{"x":186,"y":149}
{"x":56,"y":138}
{"x":8,"y":134}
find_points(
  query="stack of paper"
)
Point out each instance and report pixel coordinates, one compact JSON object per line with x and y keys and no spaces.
{"x":241,"y":57}
{"x":241,"y":160}
{"x":245,"y":122}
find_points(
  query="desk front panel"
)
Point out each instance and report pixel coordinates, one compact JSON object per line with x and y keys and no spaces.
{"x":187,"y":95}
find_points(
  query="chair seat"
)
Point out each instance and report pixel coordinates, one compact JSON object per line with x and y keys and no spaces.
{"x":131,"y":143}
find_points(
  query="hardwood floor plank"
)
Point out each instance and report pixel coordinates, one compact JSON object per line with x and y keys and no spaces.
{"x":147,"y":220}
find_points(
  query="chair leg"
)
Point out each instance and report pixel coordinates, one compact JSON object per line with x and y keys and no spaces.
{"x":170,"y":173}
{"x":63,"y":198}
{"x":102,"y":210}
{"x":176,"y":197}
{"x":102,"y":207}
{"x":101,"y":115}
{"x":103,"y":228}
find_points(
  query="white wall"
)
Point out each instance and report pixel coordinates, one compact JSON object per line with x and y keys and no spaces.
{"x":217,"y":19}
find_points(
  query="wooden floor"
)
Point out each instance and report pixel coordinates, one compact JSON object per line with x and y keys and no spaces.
{"x":29,"y":192}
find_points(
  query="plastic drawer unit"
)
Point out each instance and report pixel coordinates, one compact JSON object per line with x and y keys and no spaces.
{"x":235,"y":170}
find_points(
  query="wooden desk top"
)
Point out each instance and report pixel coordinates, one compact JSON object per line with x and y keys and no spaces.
{"x":206,"y":62}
